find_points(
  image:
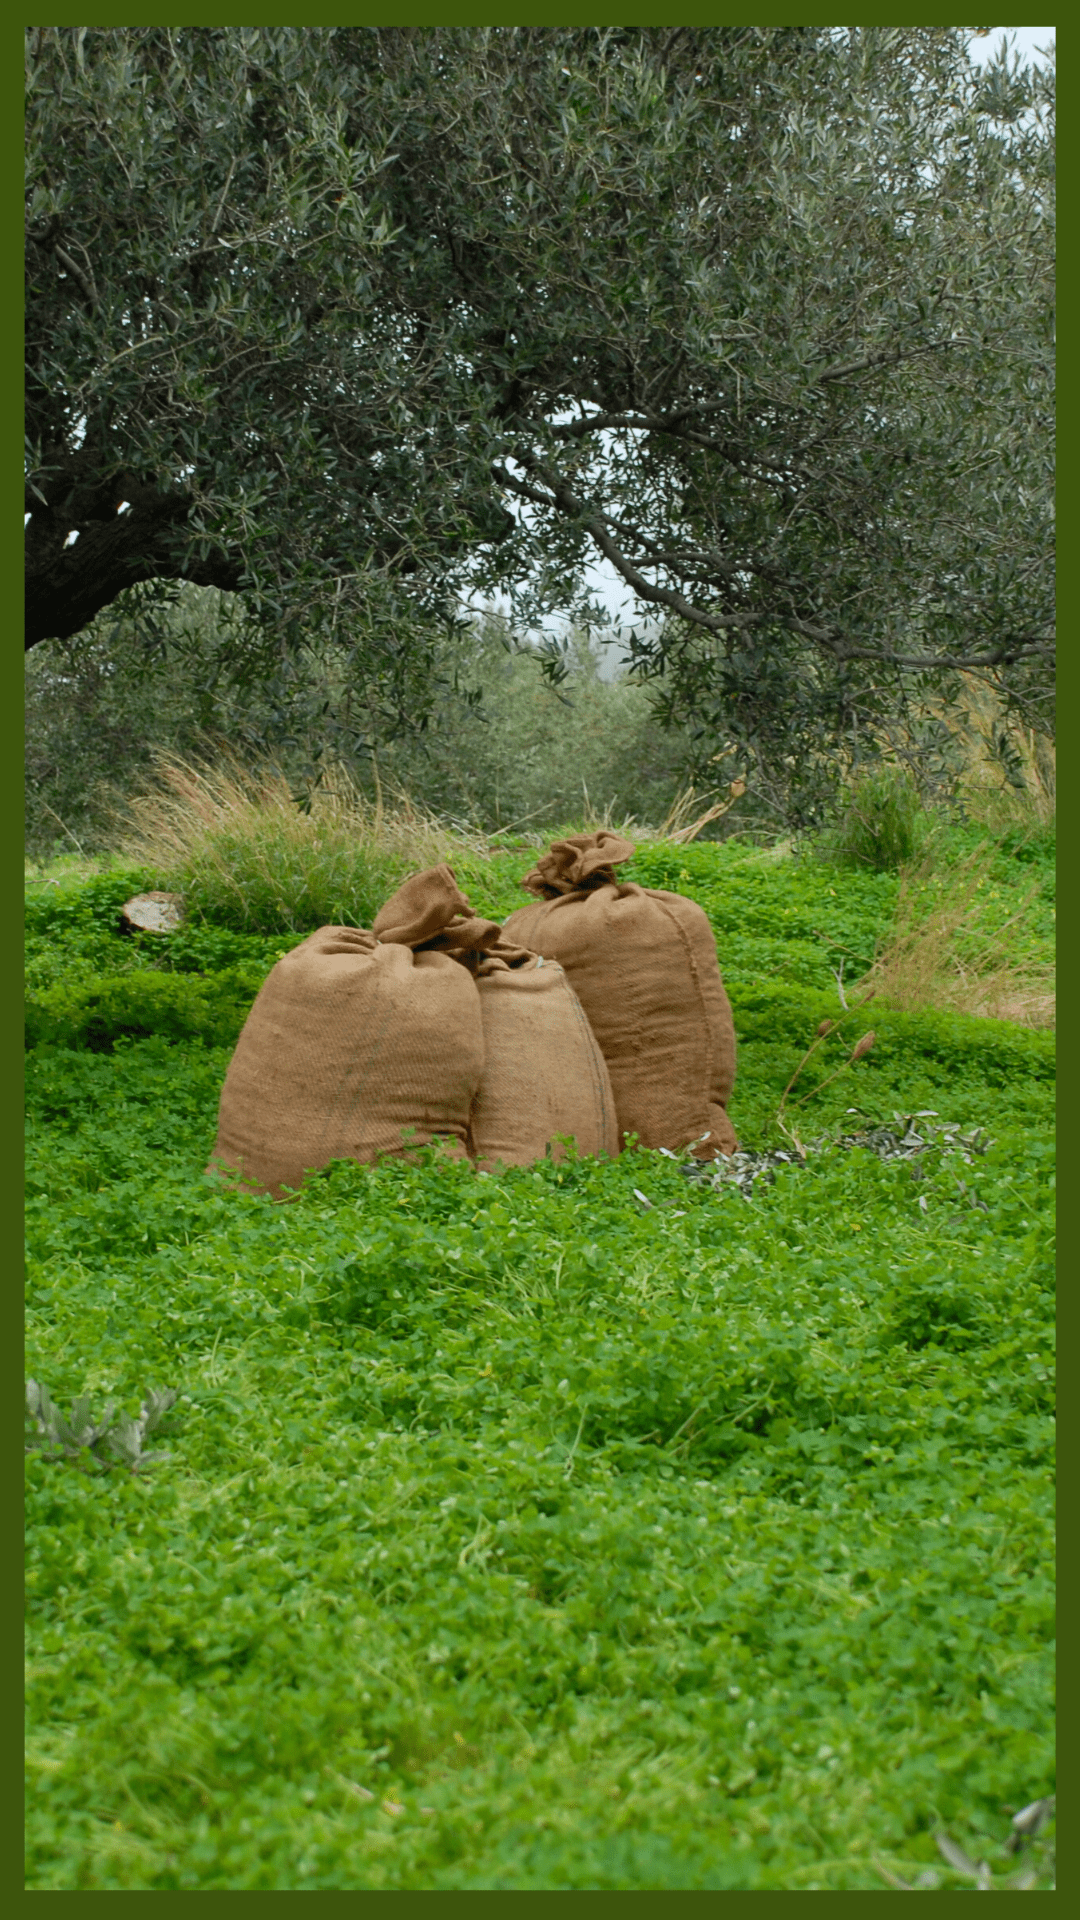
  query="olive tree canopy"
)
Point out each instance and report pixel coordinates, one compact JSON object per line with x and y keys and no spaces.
{"x":360,"y":322}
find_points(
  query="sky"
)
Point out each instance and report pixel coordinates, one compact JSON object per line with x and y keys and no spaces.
{"x":1028,"y":41}
{"x":607,"y":585}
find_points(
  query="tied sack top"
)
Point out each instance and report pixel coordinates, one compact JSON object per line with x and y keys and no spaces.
{"x":544,"y":1078}
{"x":643,"y":963}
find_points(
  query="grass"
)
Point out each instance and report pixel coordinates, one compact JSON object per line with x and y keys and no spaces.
{"x":882,"y":823}
{"x":246,"y":856}
{"x":941,"y":952}
{"x":516,"y":1535}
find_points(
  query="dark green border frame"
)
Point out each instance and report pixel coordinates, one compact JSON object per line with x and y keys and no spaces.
{"x":11,"y":1048}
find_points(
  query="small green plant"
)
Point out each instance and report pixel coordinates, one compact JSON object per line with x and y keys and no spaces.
{"x":92,"y":1444}
{"x":99,"y":1011}
{"x":882,"y":826}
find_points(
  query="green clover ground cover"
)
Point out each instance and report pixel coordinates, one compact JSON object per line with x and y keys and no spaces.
{"x":515,"y":1535}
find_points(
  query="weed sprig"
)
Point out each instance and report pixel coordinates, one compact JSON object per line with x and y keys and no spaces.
{"x":96,"y":1444}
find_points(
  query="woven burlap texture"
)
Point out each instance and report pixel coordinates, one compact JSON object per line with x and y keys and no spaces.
{"x":643,"y":964}
{"x":431,"y":1027}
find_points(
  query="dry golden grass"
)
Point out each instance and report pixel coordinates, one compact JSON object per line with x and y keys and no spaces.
{"x":191,"y":801}
{"x":976,"y":719}
{"x":235,"y":842}
{"x":939,"y":957}
{"x":683,"y":822}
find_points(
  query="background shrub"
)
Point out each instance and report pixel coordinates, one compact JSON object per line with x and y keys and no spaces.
{"x":882,"y":825}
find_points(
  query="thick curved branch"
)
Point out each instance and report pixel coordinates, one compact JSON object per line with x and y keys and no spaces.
{"x":84,"y":281}
{"x":1026,"y":647}
{"x":560,"y":498}
{"x":563,"y":500}
{"x":83,"y":277}
{"x":676,"y":426}
{"x":889,"y":357}
{"x":66,"y":586}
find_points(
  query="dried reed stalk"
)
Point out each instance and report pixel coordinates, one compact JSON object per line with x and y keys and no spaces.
{"x":936,"y":958}
{"x":677,"y":828}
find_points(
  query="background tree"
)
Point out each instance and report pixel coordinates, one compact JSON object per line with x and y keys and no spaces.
{"x":356,"y":322}
{"x":502,"y":747}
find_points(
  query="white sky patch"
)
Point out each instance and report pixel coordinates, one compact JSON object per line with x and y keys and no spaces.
{"x":1029,"y":42}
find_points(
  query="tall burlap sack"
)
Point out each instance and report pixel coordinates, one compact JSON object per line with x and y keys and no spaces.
{"x":354,"y":1047}
{"x":544,"y":1075}
{"x":643,"y":965}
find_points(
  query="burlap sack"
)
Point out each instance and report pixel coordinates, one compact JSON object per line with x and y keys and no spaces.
{"x":544,"y":1075}
{"x":354,"y":1047}
{"x":643,"y":965}
{"x":430,"y":914}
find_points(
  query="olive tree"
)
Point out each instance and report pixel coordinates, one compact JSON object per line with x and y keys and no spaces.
{"x":366,"y":324}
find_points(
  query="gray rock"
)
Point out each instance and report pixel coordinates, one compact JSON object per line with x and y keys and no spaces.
{"x":153,"y":913}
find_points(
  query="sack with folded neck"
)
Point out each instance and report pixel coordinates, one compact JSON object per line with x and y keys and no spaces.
{"x":360,"y":1043}
{"x":643,"y":965}
{"x":544,"y":1077}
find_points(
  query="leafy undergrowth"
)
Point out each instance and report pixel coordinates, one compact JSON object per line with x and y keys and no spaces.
{"x":514,"y":1535}
{"x":787,"y":932}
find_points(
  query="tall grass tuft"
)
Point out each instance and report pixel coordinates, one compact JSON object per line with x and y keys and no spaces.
{"x":246,"y":854}
{"x":882,"y":826}
{"x":938,"y":956}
